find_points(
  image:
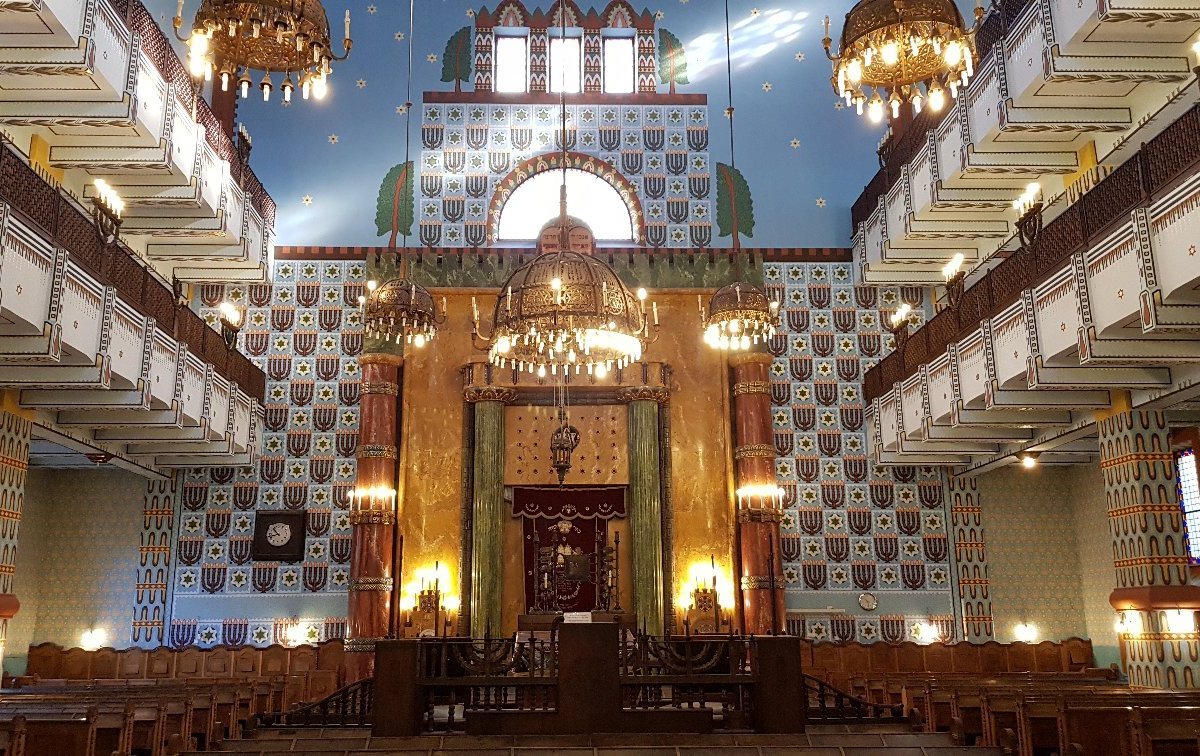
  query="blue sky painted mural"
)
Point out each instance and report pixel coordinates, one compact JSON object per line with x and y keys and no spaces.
{"x":805,"y":158}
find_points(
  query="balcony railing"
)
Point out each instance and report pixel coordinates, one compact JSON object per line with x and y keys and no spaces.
{"x":158,"y":50}
{"x":1148,"y":174}
{"x":995,"y":25}
{"x":63,"y":223}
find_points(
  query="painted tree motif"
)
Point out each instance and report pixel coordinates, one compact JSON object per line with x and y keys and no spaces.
{"x":735,"y":207}
{"x":394,"y":209}
{"x":672,"y":60}
{"x":457,"y":60}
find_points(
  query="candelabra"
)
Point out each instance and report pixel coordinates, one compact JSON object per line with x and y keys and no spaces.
{"x":1029,"y":216}
{"x":955,"y":279}
{"x":430,"y":612}
{"x":107,"y":207}
{"x":231,"y":323}
{"x":898,"y":324}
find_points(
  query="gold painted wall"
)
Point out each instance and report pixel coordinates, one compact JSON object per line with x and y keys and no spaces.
{"x":601,"y":459}
{"x":431,"y":463}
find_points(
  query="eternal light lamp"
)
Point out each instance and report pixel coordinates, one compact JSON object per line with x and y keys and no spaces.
{"x":739,"y":316}
{"x":401,"y":311}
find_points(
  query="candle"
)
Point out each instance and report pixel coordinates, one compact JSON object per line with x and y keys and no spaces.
{"x":654,"y":306}
{"x":510,"y":300}
{"x":474,"y":310}
{"x":179,"y":9}
{"x":347,"y":23}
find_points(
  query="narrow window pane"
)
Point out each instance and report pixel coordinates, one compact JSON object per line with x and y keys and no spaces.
{"x":564,"y":65}
{"x":511,"y":64}
{"x":618,"y":66}
{"x":1189,"y":499}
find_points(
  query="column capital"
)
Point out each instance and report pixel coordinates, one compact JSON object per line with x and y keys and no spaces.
{"x":503,"y":394}
{"x":750,"y":358}
{"x":659,"y":394}
{"x":380,"y":358}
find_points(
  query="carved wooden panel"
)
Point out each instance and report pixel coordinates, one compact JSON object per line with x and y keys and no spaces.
{"x":600,"y":459}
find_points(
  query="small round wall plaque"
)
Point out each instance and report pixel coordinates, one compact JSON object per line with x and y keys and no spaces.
{"x":868,"y":601}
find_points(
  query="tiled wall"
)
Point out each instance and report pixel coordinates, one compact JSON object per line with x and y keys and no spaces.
{"x":78,"y":557}
{"x":1093,"y":545}
{"x":849,"y":527}
{"x":305,"y":333}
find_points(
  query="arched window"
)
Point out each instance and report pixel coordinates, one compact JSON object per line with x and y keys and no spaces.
{"x":589,"y":198}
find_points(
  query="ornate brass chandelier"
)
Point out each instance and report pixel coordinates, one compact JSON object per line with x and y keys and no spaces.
{"x":902,"y":50}
{"x":232,"y":39}
{"x":739,"y":316}
{"x":401,"y":310}
{"x":566,"y":311}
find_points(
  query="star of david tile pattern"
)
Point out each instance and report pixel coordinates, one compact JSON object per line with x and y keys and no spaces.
{"x":848,"y":526}
{"x":305,"y":332}
{"x":471,"y":149}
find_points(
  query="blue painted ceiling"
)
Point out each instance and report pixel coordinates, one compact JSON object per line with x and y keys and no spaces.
{"x":806,"y":159}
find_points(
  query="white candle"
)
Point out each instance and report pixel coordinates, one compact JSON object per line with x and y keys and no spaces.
{"x":654,"y":305}
{"x":179,"y":9}
{"x":510,"y":300}
{"x":347,"y":23}
{"x":474,"y":310}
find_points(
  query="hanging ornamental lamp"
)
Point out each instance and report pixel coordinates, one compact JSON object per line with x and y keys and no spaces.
{"x":739,"y":316}
{"x":566,"y":311}
{"x":902,"y":51}
{"x":245,"y":43}
{"x":401,"y":311}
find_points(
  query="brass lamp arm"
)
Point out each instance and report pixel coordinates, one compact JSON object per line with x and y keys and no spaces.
{"x":827,"y":43}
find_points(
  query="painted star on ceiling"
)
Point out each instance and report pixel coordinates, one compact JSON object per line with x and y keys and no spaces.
{"x":820,"y":202}
{"x":333,"y":139}
{"x":306,"y":200}
{"x":766,"y":86}
{"x":399,"y":36}
{"x":361,"y":83}
{"x":800,"y":57}
{"x":431,"y":58}
{"x":795,"y":144}
{"x":401,"y":109}
{"x":372,"y":10}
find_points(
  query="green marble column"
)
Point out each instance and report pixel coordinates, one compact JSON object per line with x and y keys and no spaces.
{"x":487,"y":512}
{"x":645,"y":509}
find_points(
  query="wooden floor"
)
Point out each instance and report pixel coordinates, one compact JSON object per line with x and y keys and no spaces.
{"x":820,"y":740}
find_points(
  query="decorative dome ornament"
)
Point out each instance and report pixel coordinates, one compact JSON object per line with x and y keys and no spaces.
{"x":739,"y":316}
{"x":233,"y":39}
{"x":567,"y":311}
{"x":902,"y":51}
{"x":401,"y":310}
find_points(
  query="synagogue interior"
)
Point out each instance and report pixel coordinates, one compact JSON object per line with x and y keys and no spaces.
{"x":789,"y":375}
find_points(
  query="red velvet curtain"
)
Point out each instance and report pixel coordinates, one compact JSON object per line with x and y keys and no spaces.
{"x":572,"y":521}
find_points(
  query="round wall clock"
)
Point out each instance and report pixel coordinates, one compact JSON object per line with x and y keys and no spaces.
{"x":868,"y":601}
{"x":279,"y":533}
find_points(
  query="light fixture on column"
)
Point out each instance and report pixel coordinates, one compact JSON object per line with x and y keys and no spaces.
{"x":955,"y":278}
{"x":401,"y":311}
{"x":232,"y":320}
{"x":107,"y":207}
{"x":739,"y":316}
{"x":1029,"y":459}
{"x":1025,"y":632}
{"x":230,"y":39}
{"x":902,"y":51}
{"x":760,"y":496}
{"x":898,"y":324}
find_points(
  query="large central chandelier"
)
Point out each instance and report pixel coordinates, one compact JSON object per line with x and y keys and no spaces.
{"x":235,"y":39}
{"x":566,"y":311}
{"x":903,"y":51}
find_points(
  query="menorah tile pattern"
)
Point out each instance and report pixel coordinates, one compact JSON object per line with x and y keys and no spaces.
{"x":848,"y":526}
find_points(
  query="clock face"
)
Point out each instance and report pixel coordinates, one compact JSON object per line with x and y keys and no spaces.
{"x":868,"y":601}
{"x":279,"y":533}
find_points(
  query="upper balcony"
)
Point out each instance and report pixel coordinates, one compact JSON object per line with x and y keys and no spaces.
{"x":1055,"y":80}
{"x":1104,"y":302}
{"x":98,"y":345}
{"x":99,"y":82}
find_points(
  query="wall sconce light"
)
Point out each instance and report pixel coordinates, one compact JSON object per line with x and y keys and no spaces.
{"x":93,"y":639}
{"x":955,"y":278}
{"x":1029,"y":459}
{"x":706,"y":600}
{"x":1029,"y":216}
{"x":107,"y":207}
{"x":898,"y":324}
{"x":231,"y":323}
{"x":926,"y":632}
{"x":1025,"y":632}
{"x":373,"y":497}
{"x":1180,"y":620}
{"x":760,"y":496}
{"x":1129,"y":623}
{"x":296,"y":633}
{"x":427,"y":610}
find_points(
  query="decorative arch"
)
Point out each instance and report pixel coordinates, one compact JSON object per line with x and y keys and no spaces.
{"x":552,"y":161}
{"x":574,"y":14}
{"x":511,"y":13}
{"x":619,"y":14}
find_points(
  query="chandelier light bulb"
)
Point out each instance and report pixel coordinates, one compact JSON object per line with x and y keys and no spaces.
{"x":244,"y":85}
{"x":854,"y":70}
{"x":224,"y":81}
{"x":556,"y":283}
{"x":858,"y":105}
{"x":541,"y":371}
{"x":601,"y":370}
{"x":953,"y":54}
{"x":642,"y":294}
{"x":937,"y":96}
{"x":875,"y":109}
{"x":419,"y":340}
{"x":306,"y":88}
{"x":266,"y":87}
{"x":918,"y":101}
{"x":894,"y":102}
{"x":868,"y":56}
{"x":954,"y":89}
{"x":320,"y":88}
{"x":890,"y":53}
{"x":287,"y":88}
